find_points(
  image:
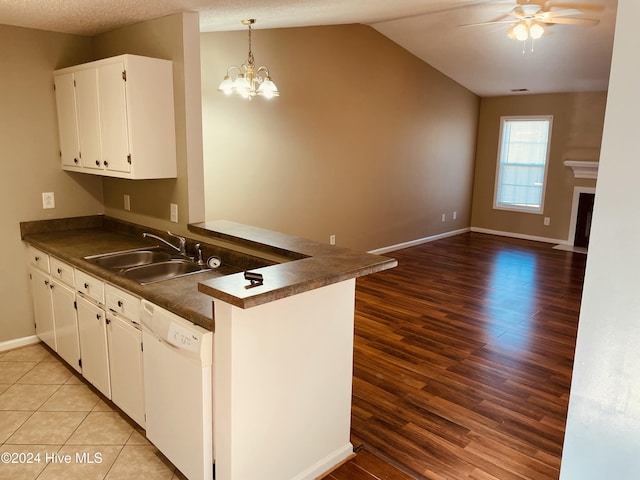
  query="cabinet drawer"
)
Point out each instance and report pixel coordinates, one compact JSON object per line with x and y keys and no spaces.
{"x":39,"y":259}
{"x":90,"y":286}
{"x":122,"y":303}
{"x":62,"y":271}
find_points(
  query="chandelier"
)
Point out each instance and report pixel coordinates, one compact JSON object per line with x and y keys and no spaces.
{"x":249,"y":81}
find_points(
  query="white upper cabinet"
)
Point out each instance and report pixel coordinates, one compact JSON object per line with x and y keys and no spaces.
{"x":67,"y":116}
{"x":116,"y":117}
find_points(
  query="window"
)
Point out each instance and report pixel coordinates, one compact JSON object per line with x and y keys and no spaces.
{"x":522,"y":163}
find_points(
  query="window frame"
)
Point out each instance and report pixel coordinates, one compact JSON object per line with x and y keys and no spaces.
{"x":522,"y":208}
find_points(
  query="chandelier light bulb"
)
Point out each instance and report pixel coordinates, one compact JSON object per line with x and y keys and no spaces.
{"x":226,"y":86}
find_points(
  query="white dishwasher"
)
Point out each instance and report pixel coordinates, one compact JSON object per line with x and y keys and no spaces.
{"x":177,"y":356}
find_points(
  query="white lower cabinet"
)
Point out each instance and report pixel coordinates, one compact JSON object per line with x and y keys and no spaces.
{"x":92,"y":327}
{"x":63,"y":298}
{"x":66,"y":318}
{"x":125,"y":360}
{"x":42,"y":306}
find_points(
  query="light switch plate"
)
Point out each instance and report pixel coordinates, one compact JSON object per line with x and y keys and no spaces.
{"x":174,"y":213}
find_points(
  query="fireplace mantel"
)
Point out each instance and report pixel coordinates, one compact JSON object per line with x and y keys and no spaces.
{"x":583,"y":169}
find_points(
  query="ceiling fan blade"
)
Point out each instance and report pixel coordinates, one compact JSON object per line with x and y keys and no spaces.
{"x":571,"y":21}
{"x":486,"y":23}
{"x":553,"y":4}
{"x":565,"y":12}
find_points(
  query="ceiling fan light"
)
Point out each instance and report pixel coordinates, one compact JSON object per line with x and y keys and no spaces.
{"x":521,"y":31}
{"x":536,"y":31}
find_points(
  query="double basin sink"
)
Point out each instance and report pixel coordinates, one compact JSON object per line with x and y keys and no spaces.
{"x":147,"y":265}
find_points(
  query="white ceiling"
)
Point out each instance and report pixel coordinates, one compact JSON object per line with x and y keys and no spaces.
{"x":567,"y":58}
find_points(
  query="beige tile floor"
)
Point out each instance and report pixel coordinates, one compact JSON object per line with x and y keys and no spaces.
{"x":54,"y":426}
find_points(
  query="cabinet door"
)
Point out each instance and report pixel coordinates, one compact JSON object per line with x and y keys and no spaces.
{"x":125,"y":359}
{"x":66,"y":319}
{"x":113,"y":117}
{"x":42,"y":307}
{"x":92,"y":328}
{"x":88,"y":118}
{"x":67,"y":120}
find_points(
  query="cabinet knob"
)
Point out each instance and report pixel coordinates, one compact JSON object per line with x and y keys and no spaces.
{"x":37,"y":259}
{"x":75,"y":160}
{"x":98,"y":316}
{"x":106,"y":164}
{"x":46,"y":282}
{"x":120,"y":303}
{"x":59,"y":271}
{"x":98,"y":163}
{"x":86,"y":285}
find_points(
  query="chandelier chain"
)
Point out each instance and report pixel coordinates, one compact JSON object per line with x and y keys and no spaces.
{"x":250,"y":56}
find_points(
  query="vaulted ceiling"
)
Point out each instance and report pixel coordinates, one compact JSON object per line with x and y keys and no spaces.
{"x":482,"y":58}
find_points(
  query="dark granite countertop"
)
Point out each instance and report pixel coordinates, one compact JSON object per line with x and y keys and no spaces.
{"x":310,"y":264}
{"x":179,"y":295}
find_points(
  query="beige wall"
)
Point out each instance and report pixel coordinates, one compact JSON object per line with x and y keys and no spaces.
{"x":30,"y":157}
{"x":30,"y":146}
{"x":366,"y":141}
{"x":577,"y":132}
{"x":175,"y":38}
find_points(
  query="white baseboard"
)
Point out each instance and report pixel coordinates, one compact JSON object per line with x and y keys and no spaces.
{"x":327,"y":464}
{"x":420,"y":241}
{"x":18,"y":342}
{"x":520,"y":235}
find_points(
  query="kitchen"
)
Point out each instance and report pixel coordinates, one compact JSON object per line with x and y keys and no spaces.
{"x":30,"y":108}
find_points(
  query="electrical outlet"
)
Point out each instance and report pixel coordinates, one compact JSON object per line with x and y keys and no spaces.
{"x":444,"y":217}
{"x":48,"y":200}
{"x":127,"y":202}
{"x":332,"y":239}
{"x":455,"y":215}
{"x":547,"y":221}
{"x":174,"y":213}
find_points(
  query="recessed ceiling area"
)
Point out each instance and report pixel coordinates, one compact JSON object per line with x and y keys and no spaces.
{"x":567,"y":58}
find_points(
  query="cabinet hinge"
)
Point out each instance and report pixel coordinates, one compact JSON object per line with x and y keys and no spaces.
{"x":141,"y":347}
{"x":80,"y":362}
{"x":74,"y":82}
{"x":124,"y":75}
{"x":75,"y":305}
{"x":129,"y":159}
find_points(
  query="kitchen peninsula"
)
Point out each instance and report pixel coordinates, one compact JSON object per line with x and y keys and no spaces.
{"x":283,"y":347}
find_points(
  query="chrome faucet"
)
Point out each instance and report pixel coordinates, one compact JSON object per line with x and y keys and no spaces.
{"x":182,"y":249}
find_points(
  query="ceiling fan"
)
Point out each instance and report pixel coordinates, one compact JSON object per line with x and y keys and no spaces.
{"x":529,"y":17}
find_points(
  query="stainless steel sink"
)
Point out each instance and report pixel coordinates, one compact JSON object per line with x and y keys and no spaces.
{"x":159,"y":271}
{"x":147,"y":265}
{"x":124,"y":260}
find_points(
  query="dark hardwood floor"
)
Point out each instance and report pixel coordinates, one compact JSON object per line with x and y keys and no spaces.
{"x":462,"y":362}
